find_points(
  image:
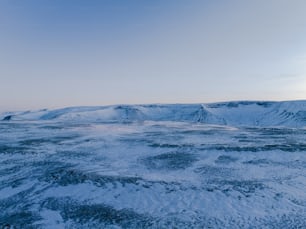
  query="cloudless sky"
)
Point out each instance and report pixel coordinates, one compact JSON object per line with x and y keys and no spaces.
{"x":57,"y":53}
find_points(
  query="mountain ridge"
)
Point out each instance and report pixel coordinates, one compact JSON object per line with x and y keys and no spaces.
{"x":232,"y":113}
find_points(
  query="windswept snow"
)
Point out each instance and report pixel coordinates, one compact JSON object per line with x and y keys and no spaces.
{"x":221,"y":165}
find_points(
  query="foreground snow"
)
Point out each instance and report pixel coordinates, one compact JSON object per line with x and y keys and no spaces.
{"x":134,"y":167}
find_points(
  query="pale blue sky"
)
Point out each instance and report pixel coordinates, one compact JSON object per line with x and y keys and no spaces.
{"x":57,"y":53}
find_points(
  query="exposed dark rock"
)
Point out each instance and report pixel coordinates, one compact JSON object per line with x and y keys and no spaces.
{"x":7,"y":118}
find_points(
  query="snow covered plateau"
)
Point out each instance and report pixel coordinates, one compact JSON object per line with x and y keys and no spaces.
{"x":218,"y":165}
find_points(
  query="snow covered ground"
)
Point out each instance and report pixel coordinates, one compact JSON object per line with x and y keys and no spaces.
{"x":221,"y":165}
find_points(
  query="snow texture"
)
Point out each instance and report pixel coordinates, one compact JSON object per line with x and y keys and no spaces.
{"x":221,"y":165}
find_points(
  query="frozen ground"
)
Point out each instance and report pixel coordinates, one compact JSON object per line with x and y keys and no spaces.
{"x":225,"y":165}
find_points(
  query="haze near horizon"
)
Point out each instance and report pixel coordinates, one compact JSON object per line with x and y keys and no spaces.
{"x":72,"y":53}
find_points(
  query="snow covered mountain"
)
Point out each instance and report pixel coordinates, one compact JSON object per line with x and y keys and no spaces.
{"x":241,"y":113}
{"x":221,"y":165}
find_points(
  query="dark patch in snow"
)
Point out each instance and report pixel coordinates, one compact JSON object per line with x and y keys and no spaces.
{"x":225,"y":159}
{"x":171,"y":161}
{"x":7,"y":118}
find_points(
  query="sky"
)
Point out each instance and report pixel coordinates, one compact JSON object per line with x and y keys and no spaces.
{"x":59,"y":53}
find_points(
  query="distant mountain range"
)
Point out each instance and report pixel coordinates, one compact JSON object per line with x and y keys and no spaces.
{"x":240,"y":113}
